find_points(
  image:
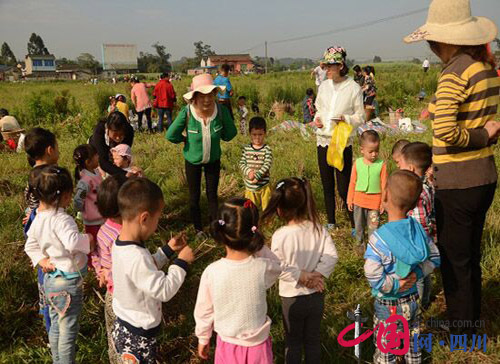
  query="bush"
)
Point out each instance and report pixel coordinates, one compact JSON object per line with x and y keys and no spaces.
{"x":101,"y":100}
{"x":49,"y":106}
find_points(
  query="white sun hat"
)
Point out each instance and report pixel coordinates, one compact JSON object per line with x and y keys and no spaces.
{"x":204,"y":84}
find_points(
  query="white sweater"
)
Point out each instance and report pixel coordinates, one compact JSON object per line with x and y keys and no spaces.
{"x":54,"y":234}
{"x":140,"y":286}
{"x":304,"y":247}
{"x":232,"y":299}
{"x":336,"y":99}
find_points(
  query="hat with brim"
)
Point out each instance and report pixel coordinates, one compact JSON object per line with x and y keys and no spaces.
{"x":451,"y":22}
{"x":203,"y":84}
{"x":334,"y":55}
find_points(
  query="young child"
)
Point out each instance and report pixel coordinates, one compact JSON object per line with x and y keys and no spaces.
{"x":417,"y":157}
{"x":122,"y":157}
{"x":224,"y":98}
{"x":308,"y":107}
{"x":107,"y":203}
{"x":255,"y":163}
{"x":88,"y":180}
{"x":232,"y":293}
{"x":243,"y":112}
{"x":396,"y":150}
{"x":367,"y":184}
{"x":42,"y":149}
{"x":55,"y":244}
{"x":303,"y":243}
{"x":398,"y":254}
{"x":139,"y":284}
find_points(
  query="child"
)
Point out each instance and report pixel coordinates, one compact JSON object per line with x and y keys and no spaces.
{"x":232,"y":293}
{"x":88,"y":180}
{"x":255,"y":163}
{"x":417,"y":157}
{"x":305,"y":244}
{"x":398,"y":254}
{"x":122,"y":157}
{"x":243,"y":111}
{"x":367,"y":184}
{"x":308,"y":108}
{"x":139,"y":286}
{"x":369,"y":91}
{"x":42,"y":149}
{"x":55,"y":244}
{"x":107,"y":203}
{"x":396,"y":150}
{"x":224,"y":98}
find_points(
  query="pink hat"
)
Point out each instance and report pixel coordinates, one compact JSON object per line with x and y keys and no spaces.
{"x":123,"y":150}
{"x":203,"y":83}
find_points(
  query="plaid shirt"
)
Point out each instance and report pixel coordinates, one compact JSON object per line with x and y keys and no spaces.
{"x":424,"y":212}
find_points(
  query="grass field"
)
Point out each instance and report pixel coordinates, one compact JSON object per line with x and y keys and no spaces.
{"x":23,"y":338}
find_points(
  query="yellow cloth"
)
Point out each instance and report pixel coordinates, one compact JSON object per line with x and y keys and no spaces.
{"x":123,"y":108}
{"x":260,"y":197}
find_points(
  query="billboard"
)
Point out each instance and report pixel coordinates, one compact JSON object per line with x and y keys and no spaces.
{"x":119,"y":57}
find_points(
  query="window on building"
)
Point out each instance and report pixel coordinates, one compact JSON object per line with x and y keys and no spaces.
{"x":48,"y":63}
{"x":37,"y":63}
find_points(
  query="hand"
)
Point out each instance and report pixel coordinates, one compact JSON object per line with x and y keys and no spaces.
{"x":186,"y":254}
{"x":493,"y":129}
{"x":26,"y":218}
{"x":339,"y":118}
{"x":203,"y":351}
{"x":350,"y":206}
{"x":408,"y":282}
{"x":46,"y":265}
{"x":91,"y":242}
{"x":313,"y":280}
{"x":318,"y":123}
{"x":178,"y":242}
{"x":135,"y":172}
{"x":381,"y":209}
{"x":102,"y":277}
{"x":251,"y":175}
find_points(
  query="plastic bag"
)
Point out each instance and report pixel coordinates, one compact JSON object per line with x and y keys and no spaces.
{"x":335,"y":153}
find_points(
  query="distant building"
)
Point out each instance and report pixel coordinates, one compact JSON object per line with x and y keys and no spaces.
{"x":239,"y":63}
{"x":40,"y":65}
{"x":73,"y":72}
{"x":119,"y":57}
{"x":10,"y":73}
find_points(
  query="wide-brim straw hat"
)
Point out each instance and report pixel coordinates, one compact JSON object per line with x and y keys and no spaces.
{"x":204,"y":84}
{"x":451,"y":22}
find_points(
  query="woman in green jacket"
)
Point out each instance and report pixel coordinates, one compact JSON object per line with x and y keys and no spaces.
{"x":201,"y":125}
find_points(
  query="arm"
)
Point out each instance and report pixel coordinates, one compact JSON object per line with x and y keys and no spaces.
{"x":32,"y":249}
{"x":243,"y":164}
{"x":268,"y":161}
{"x":273,"y":268}
{"x":358,"y":117}
{"x":375,"y":273}
{"x":171,"y":93}
{"x":228,"y":131}
{"x":352,"y":185}
{"x":434,"y":260}
{"x":82,"y":188}
{"x":245,"y":113}
{"x":329,"y":257}
{"x":174,"y":133}
{"x":103,"y":150}
{"x":321,"y":107}
{"x":68,"y":234}
{"x":383,"y":183}
{"x":133,"y":97}
{"x":289,"y":273}
{"x":204,"y":310}
{"x":163,"y":255}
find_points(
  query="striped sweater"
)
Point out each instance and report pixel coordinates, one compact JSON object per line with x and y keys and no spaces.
{"x":259,"y":160}
{"x":466,"y":98}
{"x":101,"y":257}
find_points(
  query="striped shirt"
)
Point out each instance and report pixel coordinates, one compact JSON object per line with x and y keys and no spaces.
{"x":101,"y":257}
{"x":258,"y":160}
{"x":466,"y":98}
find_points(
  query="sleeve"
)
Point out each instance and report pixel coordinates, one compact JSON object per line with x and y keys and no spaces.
{"x":103,"y":150}
{"x":162,"y":256}
{"x":274,"y":266}
{"x":352,"y":184}
{"x":383,"y":177}
{"x":358,"y":117}
{"x":132,"y":96}
{"x":329,"y":256}
{"x":375,"y":273}
{"x":67,"y":232}
{"x":174,"y":133}
{"x":155,"y":91}
{"x":82,"y":188}
{"x":451,"y":93}
{"x":434,"y":260}
{"x":243,"y":164}
{"x":171,"y":93}
{"x":321,"y":108}
{"x":204,"y":310}
{"x":289,"y":273}
{"x":32,"y":249}
{"x":268,"y":161}
{"x":245,"y":112}
{"x":228,"y":131}
{"x":155,"y":283}
{"x":229,"y":87}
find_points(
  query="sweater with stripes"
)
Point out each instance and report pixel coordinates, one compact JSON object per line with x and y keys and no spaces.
{"x":467,"y":97}
{"x":258,"y":160}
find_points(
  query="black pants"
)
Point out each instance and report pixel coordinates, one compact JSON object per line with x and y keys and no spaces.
{"x":193,"y":176}
{"x":302,"y":320}
{"x":146,"y":112}
{"x":460,"y":217}
{"x":328,"y":175}
{"x":227,"y":103}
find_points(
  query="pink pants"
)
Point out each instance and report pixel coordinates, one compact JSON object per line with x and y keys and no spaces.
{"x":226,"y":353}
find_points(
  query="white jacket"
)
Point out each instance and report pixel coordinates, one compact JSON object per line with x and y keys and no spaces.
{"x":336,"y":99}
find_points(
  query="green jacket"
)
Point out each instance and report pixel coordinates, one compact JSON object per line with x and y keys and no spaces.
{"x":368,"y":180}
{"x":222,"y":127}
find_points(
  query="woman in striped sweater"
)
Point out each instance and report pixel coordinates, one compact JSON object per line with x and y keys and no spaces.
{"x":462,"y":112}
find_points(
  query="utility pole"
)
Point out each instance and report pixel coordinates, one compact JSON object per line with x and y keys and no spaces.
{"x":266,"y":54}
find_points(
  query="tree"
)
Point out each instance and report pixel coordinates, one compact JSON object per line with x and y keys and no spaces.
{"x":86,"y":60}
{"x":65,"y":61}
{"x":377,"y":59}
{"x":7,"y":56}
{"x":202,"y":50}
{"x":36,"y":45}
{"x":154,"y":63}
{"x":416,"y":60}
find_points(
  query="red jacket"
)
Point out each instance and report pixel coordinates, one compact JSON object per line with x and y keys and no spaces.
{"x":164,"y":95}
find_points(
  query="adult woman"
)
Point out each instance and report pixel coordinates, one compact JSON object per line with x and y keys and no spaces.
{"x":462,"y":110}
{"x":140,"y":99}
{"x":205,"y":124}
{"x":339,"y":100}
{"x":108,"y":133}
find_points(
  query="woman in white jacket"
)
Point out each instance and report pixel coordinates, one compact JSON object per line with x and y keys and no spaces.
{"x":339,"y":100}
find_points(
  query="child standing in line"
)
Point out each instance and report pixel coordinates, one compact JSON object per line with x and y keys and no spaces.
{"x":396,"y":150}
{"x":308,"y":107}
{"x":224,"y":98}
{"x":139,"y":284}
{"x":417,"y":158}
{"x":303,"y":243}
{"x":255,"y":163}
{"x":367,"y":184}
{"x":55,"y":244}
{"x":398,"y":254}
{"x":243,"y":112}
{"x":232,"y":293}
{"x":88,"y":180}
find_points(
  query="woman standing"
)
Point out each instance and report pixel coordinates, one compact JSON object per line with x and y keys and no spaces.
{"x":465,"y":174}
{"x":339,"y":100}
{"x":205,"y":125}
{"x":140,"y":99}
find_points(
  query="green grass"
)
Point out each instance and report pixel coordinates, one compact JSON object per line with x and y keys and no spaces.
{"x":22,"y":331}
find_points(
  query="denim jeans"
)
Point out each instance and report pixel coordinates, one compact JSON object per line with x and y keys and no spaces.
{"x":161,"y":113}
{"x":65,"y":297}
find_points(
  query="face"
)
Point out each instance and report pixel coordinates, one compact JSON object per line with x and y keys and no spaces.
{"x":397,"y":157}
{"x":333,"y":70}
{"x":116,"y":136}
{"x":369,"y":150}
{"x":53,"y":154}
{"x":257,"y":136}
{"x":92,"y":163}
{"x":204,"y":102}
{"x":149,"y":222}
{"x":241,"y":102}
{"x":120,"y":161}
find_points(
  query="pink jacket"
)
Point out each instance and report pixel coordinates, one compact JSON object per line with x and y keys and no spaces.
{"x":140,"y":97}
{"x":85,"y":199}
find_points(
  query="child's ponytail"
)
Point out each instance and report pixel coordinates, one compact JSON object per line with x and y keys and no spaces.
{"x":81,"y":155}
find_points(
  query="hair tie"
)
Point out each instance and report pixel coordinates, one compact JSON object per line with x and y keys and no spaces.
{"x":222,"y":222}
{"x":254,"y":229}
{"x":248,"y":204}
{"x":58,"y":192}
{"x":280,"y":184}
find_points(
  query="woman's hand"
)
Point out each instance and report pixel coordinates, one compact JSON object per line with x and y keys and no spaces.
{"x":493,"y":129}
{"x":318,"y":123}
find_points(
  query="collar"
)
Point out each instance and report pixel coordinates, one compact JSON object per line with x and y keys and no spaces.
{"x":113,"y":224}
{"x":119,"y":242}
{"x":263,"y":146}
{"x":199,"y":118}
{"x":89,"y":173}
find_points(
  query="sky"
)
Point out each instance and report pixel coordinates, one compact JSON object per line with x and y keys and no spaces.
{"x":70,"y":27}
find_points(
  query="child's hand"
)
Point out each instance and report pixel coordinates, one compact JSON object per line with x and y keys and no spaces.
{"x":178,"y":242}
{"x":318,"y":123}
{"x":46,"y":265}
{"x":313,"y":280}
{"x":186,"y":254}
{"x":251,"y":175}
{"x":102,"y":277}
{"x":408,"y":282}
{"x":350,"y":206}
{"x":381,"y":210}
{"x":203,"y":351}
